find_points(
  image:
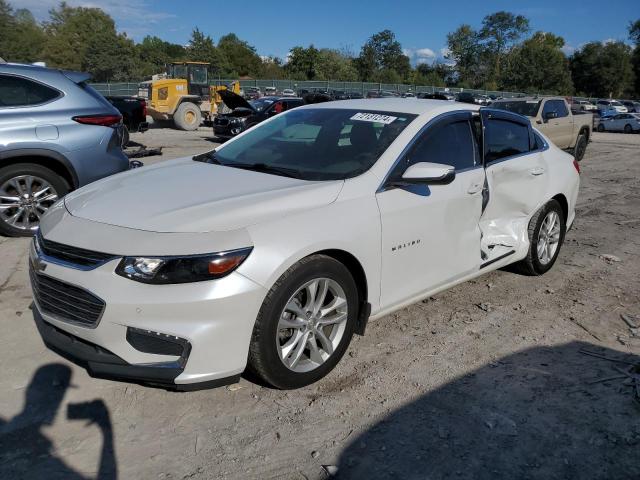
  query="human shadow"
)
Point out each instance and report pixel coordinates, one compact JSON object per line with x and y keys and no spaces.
{"x":552,"y":413}
{"x":26,"y":452}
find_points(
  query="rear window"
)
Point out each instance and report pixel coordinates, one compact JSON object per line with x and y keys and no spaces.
{"x":528,"y":108}
{"x":22,"y":92}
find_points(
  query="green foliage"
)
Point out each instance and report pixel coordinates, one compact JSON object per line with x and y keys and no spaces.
{"x":154,"y":54}
{"x":381,"y":59}
{"x":634,"y":35}
{"x":21,"y":38}
{"x":241,"y":57}
{"x":538,"y":65}
{"x":603,"y":69}
{"x":202,"y":49}
{"x":303,"y":63}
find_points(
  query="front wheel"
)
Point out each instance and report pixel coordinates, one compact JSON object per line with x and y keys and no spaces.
{"x":546,"y":234}
{"x":188,"y":116}
{"x":627,"y":128}
{"x":600,"y":128}
{"x":305,"y":324}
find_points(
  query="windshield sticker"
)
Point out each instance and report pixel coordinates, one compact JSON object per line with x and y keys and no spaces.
{"x":374,"y":117}
{"x":533,"y":101}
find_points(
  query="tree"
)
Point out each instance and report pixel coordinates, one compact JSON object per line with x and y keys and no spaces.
{"x":463,"y":48}
{"x":425,"y":74}
{"x":111,"y":58}
{"x":333,"y":65}
{"x":634,"y":35}
{"x":499,"y":32}
{"x":21,"y":37}
{"x":202,"y":49}
{"x":602,"y":69}
{"x":538,"y":65}
{"x":241,"y":57}
{"x":272,"y":68}
{"x":381,"y":59}
{"x":155,"y":54}
{"x":303,"y":63}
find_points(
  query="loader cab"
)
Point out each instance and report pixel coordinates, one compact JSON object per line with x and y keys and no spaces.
{"x":195,"y":73}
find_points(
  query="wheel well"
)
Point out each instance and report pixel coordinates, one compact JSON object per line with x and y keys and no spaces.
{"x":562,"y":200}
{"x":52,"y":164}
{"x":354,"y":267}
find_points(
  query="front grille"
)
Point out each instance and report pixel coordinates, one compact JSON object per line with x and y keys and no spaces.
{"x":72,"y":255}
{"x":64,"y":301}
{"x":221,"y":121}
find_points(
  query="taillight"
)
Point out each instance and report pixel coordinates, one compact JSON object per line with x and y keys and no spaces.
{"x":576,"y":165}
{"x":144,"y":108}
{"x":102,"y":120}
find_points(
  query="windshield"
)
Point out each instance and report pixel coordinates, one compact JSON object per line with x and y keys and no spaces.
{"x":316,"y":144}
{"x":616,"y":104}
{"x":260,"y":103}
{"x":199,"y":75}
{"x":528,"y":108}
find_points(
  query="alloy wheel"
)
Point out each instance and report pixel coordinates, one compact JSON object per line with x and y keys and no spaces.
{"x":312,"y":324}
{"x":548,"y":237}
{"x":24,"y":199}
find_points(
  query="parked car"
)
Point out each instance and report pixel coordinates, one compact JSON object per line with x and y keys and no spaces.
{"x":583,"y":105}
{"x":339,"y":95}
{"x":433,"y":96}
{"x":245,"y":114}
{"x":355,"y":94}
{"x":134,"y":114}
{"x":270,"y":91}
{"x":622,"y":122}
{"x":275,"y":248}
{"x":287,"y":92}
{"x":252,"y":93}
{"x":611,"y":105}
{"x":632,"y":107}
{"x":553,"y":117}
{"x":469,"y":97}
{"x":56,"y":134}
{"x":408,"y":95}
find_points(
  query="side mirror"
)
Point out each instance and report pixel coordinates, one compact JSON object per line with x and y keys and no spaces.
{"x":429,"y":173}
{"x":550,"y":115}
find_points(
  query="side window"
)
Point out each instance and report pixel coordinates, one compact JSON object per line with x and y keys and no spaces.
{"x":450,"y":144}
{"x":20,"y":92}
{"x":561,"y":108}
{"x":504,"y":139}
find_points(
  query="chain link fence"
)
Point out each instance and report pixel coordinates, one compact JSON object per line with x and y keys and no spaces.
{"x":131,"y":88}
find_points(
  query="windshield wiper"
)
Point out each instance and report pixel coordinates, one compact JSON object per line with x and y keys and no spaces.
{"x":264,"y":168}
{"x":207,"y":157}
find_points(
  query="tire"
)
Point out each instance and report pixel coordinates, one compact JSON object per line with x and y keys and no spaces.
{"x":532,"y":264}
{"x":23,"y":219}
{"x":125,"y":137}
{"x":581,"y":147}
{"x":627,"y":128}
{"x":188,"y":116}
{"x":269,"y":338}
{"x":600,"y":128}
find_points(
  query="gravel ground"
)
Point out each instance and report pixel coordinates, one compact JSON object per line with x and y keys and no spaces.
{"x":485,"y":380}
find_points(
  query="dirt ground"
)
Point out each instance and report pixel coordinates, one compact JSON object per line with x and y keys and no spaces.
{"x":486,"y":380}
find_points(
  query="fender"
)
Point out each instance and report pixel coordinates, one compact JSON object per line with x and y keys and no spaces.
{"x":42,"y":152}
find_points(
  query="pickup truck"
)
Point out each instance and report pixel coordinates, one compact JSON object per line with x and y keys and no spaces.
{"x":134,"y":114}
{"x":553,"y":117}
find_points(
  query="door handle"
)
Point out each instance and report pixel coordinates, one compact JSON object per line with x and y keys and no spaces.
{"x":536,"y":171}
{"x":474,"y":188}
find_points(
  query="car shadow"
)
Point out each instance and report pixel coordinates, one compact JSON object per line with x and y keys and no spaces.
{"x":25,"y":450}
{"x":541,"y":413}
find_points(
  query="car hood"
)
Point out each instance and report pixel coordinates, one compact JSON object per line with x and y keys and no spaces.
{"x":188,"y":196}
{"x":233,"y":100}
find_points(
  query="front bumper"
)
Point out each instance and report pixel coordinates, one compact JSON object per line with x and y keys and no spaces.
{"x":215,"y":317}
{"x":227,"y":131}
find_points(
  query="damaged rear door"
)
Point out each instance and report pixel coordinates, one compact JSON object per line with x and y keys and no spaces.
{"x":516,"y":176}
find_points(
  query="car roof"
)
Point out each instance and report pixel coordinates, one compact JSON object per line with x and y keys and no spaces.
{"x":399,"y":105}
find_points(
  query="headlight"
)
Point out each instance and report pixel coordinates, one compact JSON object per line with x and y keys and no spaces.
{"x":183,"y":269}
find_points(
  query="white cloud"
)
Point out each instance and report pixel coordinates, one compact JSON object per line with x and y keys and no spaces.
{"x":420,"y":55}
{"x":568,"y":50}
{"x":136,"y":18}
{"x":444,"y":51}
{"x":425,"y":53}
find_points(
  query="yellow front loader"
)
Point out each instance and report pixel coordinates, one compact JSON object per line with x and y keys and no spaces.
{"x":183,"y":95}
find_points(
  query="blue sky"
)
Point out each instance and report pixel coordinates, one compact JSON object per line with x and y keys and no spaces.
{"x":273,"y":27}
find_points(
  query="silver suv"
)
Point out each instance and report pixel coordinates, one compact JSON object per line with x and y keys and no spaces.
{"x":56,"y":134}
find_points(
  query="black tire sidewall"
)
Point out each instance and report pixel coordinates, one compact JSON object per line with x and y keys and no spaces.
{"x":601,"y":128}
{"x":278,"y":374}
{"x":539,"y":267}
{"x":57,"y":182}
{"x":579,"y":154}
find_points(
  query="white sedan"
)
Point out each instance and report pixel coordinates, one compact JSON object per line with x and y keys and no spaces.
{"x":622,"y":122}
{"x":271,"y":251}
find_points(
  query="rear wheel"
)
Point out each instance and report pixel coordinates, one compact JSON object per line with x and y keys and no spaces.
{"x":600,"y":127}
{"x":27,"y":191}
{"x":581,"y":147}
{"x":188,"y":116}
{"x":546,"y":234}
{"x":627,"y":128}
{"x":305,"y":324}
